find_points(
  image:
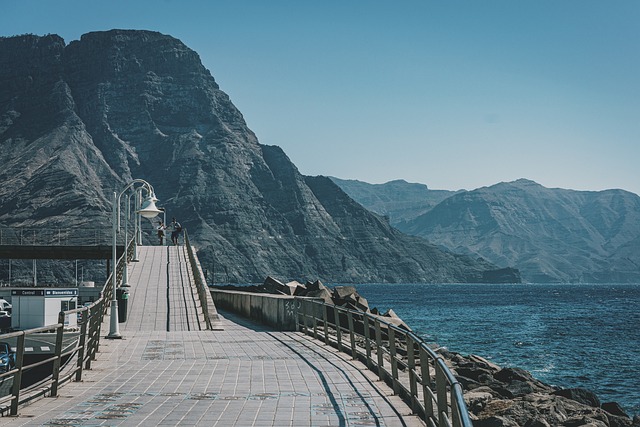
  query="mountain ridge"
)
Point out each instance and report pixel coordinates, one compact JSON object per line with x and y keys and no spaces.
{"x":79,"y":121}
{"x":549,"y":234}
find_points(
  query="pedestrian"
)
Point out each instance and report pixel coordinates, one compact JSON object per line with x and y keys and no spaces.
{"x":177,"y":229}
{"x":161,"y":227}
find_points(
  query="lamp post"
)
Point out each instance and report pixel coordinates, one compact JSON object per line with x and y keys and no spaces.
{"x":125,"y":277}
{"x":148,"y":210}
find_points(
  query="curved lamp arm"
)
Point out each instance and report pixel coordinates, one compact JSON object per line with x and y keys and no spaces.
{"x":151,"y":196}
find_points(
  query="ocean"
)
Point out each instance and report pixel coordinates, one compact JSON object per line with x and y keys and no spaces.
{"x":567,"y":335}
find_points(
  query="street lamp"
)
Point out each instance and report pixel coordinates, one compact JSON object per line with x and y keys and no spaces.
{"x":147,"y":210}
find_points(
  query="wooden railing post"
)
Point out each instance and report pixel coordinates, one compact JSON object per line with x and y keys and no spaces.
{"x":338,"y":329}
{"x":441,"y":392}
{"x":394,"y":360}
{"x":17,"y":378}
{"x":411,"y":366}
{"x":58,"y":354}
{"x":325,"y":315}
{"x":426,"y":383}
{"x":315,"y":321}
{"x":367,"y":340}
{"x":379,"y":351}
{"x":352,"y":335}
{"x":83,"y":343}
{"x":302,"y":327}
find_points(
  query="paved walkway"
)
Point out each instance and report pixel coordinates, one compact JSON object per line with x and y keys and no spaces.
{"x":166,"y":372}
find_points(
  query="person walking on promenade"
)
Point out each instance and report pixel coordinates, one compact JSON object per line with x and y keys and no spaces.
{"x":177,"y":229}
{"x":161,"y":227}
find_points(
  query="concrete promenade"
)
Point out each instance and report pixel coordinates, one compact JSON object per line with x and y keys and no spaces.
{"x":167,"y":372}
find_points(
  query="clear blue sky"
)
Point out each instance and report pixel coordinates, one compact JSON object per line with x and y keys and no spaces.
{"x":452,"y":94}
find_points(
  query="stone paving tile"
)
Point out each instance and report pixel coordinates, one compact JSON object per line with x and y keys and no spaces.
{"x":244,"y":375}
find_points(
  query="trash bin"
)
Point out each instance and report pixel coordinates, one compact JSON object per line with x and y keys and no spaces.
{"x":122,"y":295}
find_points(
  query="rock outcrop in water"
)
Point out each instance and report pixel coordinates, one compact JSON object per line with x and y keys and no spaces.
{"x":79,"y":121}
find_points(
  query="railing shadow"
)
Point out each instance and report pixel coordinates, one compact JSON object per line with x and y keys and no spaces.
{"x":399,"y":357}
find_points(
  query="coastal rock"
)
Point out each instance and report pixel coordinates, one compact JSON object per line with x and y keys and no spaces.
{"x":614,"y":408}
{"x":325,"y":294}
{"x":342,"y":292}
{"x":497,"y":395}
{"x":582,"y":395}
{"x":362,"y":304}
{"x":271,"y":285}
{"x":296,"y":288}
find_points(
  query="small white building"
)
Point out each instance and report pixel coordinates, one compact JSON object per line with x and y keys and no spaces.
{"x":37,"y":307}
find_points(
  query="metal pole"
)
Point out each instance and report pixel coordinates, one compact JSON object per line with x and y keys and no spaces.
{"x":125,"y":276}
{"x":139,"y":217}
{"x":114,"y":331}
{"x":135,"y":229}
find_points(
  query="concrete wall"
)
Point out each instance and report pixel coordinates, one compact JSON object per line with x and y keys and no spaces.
{"x":277,"y":311}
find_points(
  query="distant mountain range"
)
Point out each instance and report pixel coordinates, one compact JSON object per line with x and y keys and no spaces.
{"x":550,"y":235}
{"x":80,"y":121}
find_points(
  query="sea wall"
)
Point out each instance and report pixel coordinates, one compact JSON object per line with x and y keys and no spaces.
{"x":277,"y":311}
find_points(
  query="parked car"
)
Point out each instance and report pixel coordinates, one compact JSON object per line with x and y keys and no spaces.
{"x":5,"y":305}
{"x":7,"y":358}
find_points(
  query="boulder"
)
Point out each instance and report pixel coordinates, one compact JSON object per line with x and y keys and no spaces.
{"x":584,"y":422}
{"x":325,"y":294}
{"x":316,"y":286}
{"x":614,"y":409}
{"x":342,"y":292}
{"x":477,"y":400}
{"x":274,"y":286}
{"x":495,"y":422}
{"x":296,"y":288}
{"x":483,"y":363}
{"x":362,"y":304}
{"x":537,"y":422}
{"x":581,"y":395}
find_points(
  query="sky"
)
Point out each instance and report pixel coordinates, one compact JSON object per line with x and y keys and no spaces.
{"x":451,"y":94}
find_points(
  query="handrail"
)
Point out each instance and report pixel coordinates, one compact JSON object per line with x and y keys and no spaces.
{"x":399,"y":357}
{"x":78,"y":346}
{"x":33,"y":236}
{"x":206,"y":301}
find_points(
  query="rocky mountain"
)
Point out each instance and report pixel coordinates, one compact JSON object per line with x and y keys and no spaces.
{"x":550,"y":235}
{"x":398,"y":200}
{"x":80,"y":121}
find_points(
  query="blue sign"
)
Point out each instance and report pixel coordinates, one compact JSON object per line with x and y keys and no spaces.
{"x":61,"y":292}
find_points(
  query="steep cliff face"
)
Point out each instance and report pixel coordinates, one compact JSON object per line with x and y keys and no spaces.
{"x":80,"y":121}
{"x":51,"y":169}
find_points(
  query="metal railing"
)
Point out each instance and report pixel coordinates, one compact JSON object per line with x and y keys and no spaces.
{"x":55,"y":236}
{"x":74,"y":349}
{"x":399,"y":357}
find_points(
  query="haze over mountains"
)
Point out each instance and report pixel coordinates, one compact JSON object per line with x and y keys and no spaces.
{"x":550,"y":235}
{"x":80,"y":121}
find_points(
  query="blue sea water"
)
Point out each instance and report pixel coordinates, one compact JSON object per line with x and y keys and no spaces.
{"x":568,"y":335}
